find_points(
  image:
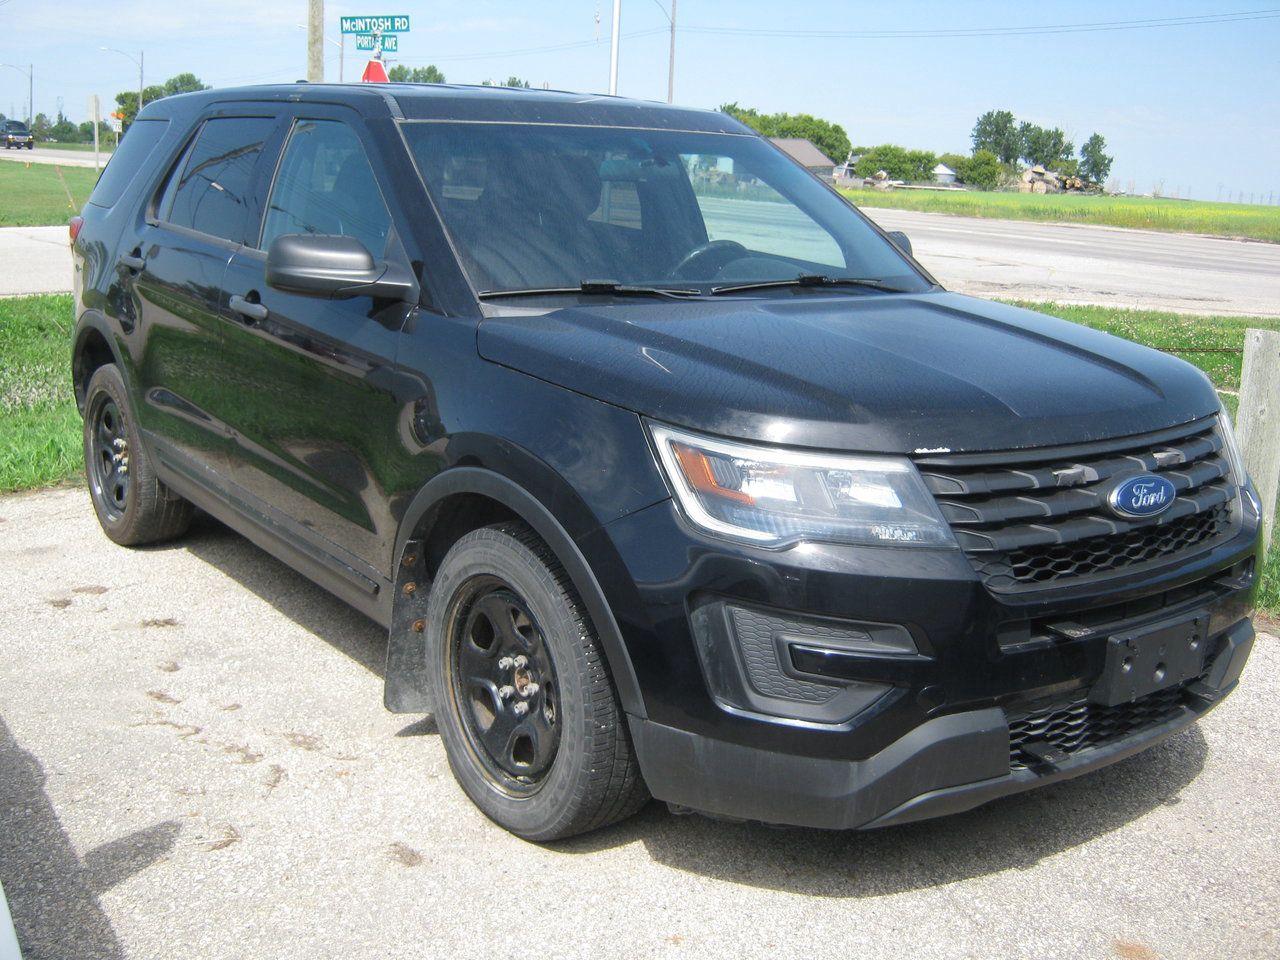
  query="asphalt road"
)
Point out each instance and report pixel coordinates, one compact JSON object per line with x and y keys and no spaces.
{"x":1086,"y":264}
{"x":68,"y":158}
{"x":195,"y":762}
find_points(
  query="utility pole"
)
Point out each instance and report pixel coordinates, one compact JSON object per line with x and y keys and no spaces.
{"x":315,"y":41}
{"x":671,"y":58}
{"x":613,"y":48}
{"x":671,"y":54}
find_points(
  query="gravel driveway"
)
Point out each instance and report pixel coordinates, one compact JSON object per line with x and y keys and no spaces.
{"x":195,"y":762}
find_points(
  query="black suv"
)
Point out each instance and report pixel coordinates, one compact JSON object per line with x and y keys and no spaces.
{"x":668,"y":472}
{"x":16,"y":136}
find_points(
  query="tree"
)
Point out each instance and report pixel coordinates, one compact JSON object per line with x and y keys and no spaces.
{"x":997,"y":131}
{"x":828,"y":137}
{"x":40,"y":127}
{"x":982,"y":170}
{"x":428,"y":74}
{"x":183,"y":83}
{"x":1043,"y":147}
{"x":1095,"y":164}
{"x":63,"y":130}
{"x":913,"y":166}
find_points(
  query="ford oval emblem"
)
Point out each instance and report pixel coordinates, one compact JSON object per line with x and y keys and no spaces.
{"x":1141,"y":497}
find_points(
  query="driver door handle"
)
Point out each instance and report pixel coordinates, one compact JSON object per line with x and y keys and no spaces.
{"x":253,"y":312}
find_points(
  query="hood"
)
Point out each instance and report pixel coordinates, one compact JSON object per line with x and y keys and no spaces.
{"x":934,"y":372}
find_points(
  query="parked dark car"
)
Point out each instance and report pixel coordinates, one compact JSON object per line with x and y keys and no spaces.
{"x":668,"y":472}
{"x":16,"y":136}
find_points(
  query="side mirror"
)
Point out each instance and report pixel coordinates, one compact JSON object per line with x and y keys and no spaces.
{"x":321,"y":265}
{"x":901,"y":241}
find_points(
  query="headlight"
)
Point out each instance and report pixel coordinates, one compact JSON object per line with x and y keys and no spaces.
{"x":1231,"y":448}
{"x":774,"y":497}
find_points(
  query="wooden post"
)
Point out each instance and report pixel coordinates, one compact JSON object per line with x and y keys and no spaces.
{"x":1258,"y":422}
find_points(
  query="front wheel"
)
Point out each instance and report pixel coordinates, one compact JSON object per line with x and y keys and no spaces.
{"x":524,"y":701}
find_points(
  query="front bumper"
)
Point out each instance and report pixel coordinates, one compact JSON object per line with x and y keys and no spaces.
{"x":937,"y":737}
{"x":946,"y":765}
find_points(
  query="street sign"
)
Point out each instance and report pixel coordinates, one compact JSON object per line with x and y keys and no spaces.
{"x":383,"y":24}
{"x":369,"y":41}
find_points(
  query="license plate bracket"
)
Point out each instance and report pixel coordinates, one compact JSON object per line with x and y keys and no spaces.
{"x":1140,"y":662}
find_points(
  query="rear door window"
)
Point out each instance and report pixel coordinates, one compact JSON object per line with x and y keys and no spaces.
{"x":136,"y":147}
{"x":210,"y":190}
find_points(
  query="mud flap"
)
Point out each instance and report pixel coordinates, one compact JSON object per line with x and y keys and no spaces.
{"x":405,"y":687}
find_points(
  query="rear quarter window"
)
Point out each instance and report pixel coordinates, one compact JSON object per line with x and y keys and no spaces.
{"x":135,"y":149}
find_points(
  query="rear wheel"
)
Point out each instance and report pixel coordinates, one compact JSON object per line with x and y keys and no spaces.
{"x":132,"y":505}
{"x":524,"y":701}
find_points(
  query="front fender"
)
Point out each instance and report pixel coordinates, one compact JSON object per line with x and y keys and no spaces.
{"x":405,"y":689}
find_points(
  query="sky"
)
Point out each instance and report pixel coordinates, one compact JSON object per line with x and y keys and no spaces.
{"x":1192,"y":110}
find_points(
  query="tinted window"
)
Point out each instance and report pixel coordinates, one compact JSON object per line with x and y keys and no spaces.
{"x":135,"y":147}
{"x":325,"y":185}
{"x":211,"y":189}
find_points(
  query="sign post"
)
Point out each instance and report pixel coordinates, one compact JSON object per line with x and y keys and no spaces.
{"x":378,"y":35}
{"x":96,"y":114}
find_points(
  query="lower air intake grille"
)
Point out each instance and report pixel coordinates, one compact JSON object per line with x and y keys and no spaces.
{"x":1045,"y":564}
{"x":1079,"y":725}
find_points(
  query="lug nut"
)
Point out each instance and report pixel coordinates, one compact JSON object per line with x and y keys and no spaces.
{"x":521,"y":662}
{"x":529,"y":690}
{"x":118,"y":442}
{"x":506,"y":692}
{"x":521,"y":708}
{"x":506,"y":663}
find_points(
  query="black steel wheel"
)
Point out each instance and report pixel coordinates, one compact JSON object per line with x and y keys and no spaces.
{"x":504,"y":686}
{"x":132,"y":505}
{"x":524,"y":701}
{"x":108,"y":465}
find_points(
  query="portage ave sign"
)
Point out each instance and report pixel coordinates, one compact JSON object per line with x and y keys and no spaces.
{"x":384,"y":24}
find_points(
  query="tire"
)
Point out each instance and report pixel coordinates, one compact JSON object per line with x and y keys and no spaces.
{"x":579,"y":771}
{"x":132,"y":505}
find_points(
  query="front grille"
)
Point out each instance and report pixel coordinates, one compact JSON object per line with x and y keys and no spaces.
{"x":1080,"y":725}
{"x":1030,"y":519}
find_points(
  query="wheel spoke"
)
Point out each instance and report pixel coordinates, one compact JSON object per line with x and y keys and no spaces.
{"x":543,"y":740}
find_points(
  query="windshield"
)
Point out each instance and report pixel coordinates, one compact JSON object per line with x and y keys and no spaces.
{"x":540,"y":206}
{"x":15,"y":126}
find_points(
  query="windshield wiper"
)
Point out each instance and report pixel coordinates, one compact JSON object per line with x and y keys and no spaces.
{"x":610,"y":288}
{"x":808,"y":280}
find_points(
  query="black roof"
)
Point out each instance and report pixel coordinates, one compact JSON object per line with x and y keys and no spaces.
{"x":448,"y":101}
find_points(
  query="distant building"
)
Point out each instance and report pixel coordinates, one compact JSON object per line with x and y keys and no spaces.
{"x":807,"y":155}
{"x":943,"y":174}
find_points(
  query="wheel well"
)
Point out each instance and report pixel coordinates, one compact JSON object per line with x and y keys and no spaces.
{"x":91,"y":353}
{"x":453,"y":518}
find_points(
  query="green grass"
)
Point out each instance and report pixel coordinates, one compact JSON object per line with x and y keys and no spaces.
{"x":42,"y":194}
{"x":1254,"y":221}
{"x":39,"y":424}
